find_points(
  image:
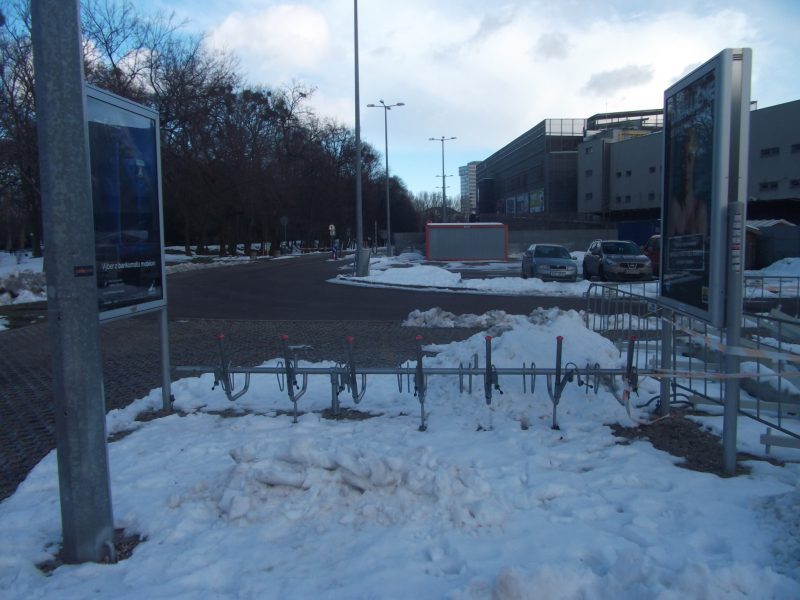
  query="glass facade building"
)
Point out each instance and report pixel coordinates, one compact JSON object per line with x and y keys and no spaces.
{"x":535,"y":173}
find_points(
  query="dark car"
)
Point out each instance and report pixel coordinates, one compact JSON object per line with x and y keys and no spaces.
{"x":652,"y":250}
{"x":549,"y":262}
{"x":616,"y":260}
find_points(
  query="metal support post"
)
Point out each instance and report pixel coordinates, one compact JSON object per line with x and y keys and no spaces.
{"x":487,"y":377}
{"x":557,"y":396}
{"x":733,"y":335}
{"x":420,"y":386}
{"x":360,"y":268}
{"x":666,"y":365}
{"x":166,"y":381}
{"x":86,"y":514}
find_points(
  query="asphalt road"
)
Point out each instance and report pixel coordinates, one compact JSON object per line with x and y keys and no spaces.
{"x":298,"y":289}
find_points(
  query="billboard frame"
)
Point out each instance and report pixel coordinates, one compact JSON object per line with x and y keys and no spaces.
{"x":706,"y":301}
{"x":123,"y":106}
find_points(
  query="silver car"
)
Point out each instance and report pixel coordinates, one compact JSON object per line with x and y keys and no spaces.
{"x":549,"y":262}
{"x":616,"y":260}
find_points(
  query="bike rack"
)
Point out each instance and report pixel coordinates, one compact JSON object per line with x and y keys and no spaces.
{"x":349,"y":376}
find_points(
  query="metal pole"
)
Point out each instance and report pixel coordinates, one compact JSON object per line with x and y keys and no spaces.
{"x":733,"y":330}
{"x":444,"y":188}
{"x":741,"y":65}
{"x":166,"y":381}
{"x":666,"y":363}
{"x":388,"y":211}
{"x":386,"y":108}
{"x":359,"y":220}
{"x":444,"y":177}
{"x":86,"y":514}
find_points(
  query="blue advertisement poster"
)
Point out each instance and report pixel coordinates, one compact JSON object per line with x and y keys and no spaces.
{"x":689,"y":156}
{"x":126,"y":195}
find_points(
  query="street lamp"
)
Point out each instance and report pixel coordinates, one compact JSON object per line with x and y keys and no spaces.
{"x":444,"y":184}
{"x":386,"y":108}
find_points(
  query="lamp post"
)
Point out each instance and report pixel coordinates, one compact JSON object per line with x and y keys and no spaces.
{"x":386,"y":108}
{"x":444,"y":180}
{"x":361,"y":265}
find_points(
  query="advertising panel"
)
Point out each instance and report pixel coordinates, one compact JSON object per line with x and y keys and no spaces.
{"x":696,"y":150}
{"x":126,"y":192}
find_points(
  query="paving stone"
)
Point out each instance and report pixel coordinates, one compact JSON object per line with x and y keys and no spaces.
{"x":131,"y":366}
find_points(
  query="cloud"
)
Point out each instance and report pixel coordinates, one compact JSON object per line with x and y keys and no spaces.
{"x":282,"y":39}
{"x":491,"y":24}
{"x":553,"y":45}
{"x":610,"y":82}
{"x":488,"y":73}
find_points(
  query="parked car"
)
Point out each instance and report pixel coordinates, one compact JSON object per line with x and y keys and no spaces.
{"x":652,"y":250}
{"x":616,"y":260}
{"x":549,"y":262}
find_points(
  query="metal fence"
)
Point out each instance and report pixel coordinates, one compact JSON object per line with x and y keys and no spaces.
{"x":350,"y":379}
{"x":769,"y":350}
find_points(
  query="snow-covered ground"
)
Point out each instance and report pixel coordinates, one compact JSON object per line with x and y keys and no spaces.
{"x":477,"y":506}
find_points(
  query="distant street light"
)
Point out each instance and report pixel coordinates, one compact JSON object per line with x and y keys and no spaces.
{"x":444,"y":184}
{"x":386,"y":108}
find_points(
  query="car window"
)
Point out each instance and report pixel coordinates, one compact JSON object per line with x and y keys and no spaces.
{"x":551,"y":252}
{"x":624,"y":248}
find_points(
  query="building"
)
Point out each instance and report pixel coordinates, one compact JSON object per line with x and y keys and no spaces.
{"x":614,"y":177}
{"x":535,"y":173}
{"x":469,"y":187}
{"x":619,"y":171}
{"x":607,"y":171}
{"x":773,"y":181}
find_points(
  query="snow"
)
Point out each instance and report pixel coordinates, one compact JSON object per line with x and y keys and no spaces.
{"x":232,"y":500}
{"x":23,"y":274}
{"x":788,"y":267}
{"x":252,"y":506}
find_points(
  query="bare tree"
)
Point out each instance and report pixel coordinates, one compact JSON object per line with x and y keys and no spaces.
{"x":19,"y":165}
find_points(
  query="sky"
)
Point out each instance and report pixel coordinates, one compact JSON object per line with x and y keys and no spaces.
{"x":487,"y":72}
{"x":233,"y":500}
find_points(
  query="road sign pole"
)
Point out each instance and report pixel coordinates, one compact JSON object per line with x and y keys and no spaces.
{"x":86,"y":516}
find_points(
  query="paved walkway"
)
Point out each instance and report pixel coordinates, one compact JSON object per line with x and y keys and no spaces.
{"x":131,"y":366}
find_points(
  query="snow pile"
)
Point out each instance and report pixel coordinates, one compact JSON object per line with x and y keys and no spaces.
{"x":425,"y":275}
{"x":789,"y":267}
{"x":21,"y":279}
{"x":475,"y":507}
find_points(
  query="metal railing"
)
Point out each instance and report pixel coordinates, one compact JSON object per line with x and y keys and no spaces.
{"x":769,"y":350}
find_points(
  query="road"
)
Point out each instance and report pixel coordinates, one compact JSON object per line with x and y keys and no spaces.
{"x":253,"y":305}
{"x":298,"y":289}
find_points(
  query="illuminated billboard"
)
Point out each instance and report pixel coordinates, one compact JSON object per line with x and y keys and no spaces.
{"x":126,"y":193}
{"x":702,"y":132}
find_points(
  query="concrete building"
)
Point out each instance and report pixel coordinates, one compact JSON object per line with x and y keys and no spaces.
{"x":535,"y":173}
{"x":619,"y":171}
{"x":774,"y":176}
{"x":606,"y":172}
{"x":615,"y":177}
{"x":469,"y":187}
